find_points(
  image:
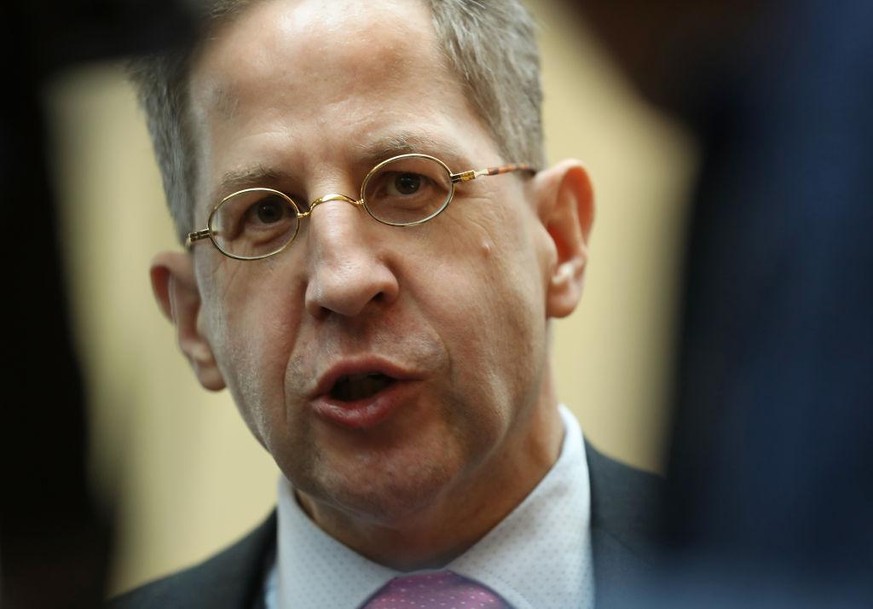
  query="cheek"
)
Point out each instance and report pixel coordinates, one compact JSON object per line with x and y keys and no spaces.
{"x":492,"y":310}
{"x":492,"y":265}
{"x":251,"y":339}
{"x":512,"y":273}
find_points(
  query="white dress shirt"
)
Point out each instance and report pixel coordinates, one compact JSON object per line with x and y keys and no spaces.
{"x":538,"y":557}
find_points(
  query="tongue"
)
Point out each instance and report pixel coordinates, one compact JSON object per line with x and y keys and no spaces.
{"x":349,"y":389}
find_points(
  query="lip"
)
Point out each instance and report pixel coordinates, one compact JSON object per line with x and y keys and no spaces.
{"x":368,"y":412}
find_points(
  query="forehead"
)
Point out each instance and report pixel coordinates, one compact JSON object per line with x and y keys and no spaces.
{"x":342,"y":31}
{"x":288,"y":76}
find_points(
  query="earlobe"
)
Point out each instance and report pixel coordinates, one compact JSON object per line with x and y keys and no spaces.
{"x":177,"y":294}
{"x":566,"y":208}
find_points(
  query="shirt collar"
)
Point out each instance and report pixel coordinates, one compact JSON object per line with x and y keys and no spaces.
{"x":538,"y":557}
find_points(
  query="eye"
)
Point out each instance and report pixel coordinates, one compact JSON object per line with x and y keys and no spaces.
{"x":254,"y":223}
{"x":407,"y":189}
{"x":268,"y":210}
{"x":404,"y":184}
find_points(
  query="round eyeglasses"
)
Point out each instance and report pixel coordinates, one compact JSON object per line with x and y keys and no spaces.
{"x":405,"y":190}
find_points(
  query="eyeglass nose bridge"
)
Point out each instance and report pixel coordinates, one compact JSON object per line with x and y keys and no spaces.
{"x":330,"y":197}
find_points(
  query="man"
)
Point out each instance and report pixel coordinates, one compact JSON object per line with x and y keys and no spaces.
{"x":389,"y":346}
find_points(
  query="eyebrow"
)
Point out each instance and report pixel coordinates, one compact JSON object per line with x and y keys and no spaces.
{"x":368,"y":155}
{"x":406,"y":142}
{"x":258,"y":175}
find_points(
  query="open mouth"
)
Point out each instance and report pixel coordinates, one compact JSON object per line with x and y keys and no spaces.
{"x":359,"y":386}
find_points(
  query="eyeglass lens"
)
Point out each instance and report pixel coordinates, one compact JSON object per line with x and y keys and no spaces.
{"x":407,"y":190}
{"x":254,"y":223}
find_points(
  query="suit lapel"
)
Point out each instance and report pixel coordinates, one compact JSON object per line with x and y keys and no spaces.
{"x":625,"y":521}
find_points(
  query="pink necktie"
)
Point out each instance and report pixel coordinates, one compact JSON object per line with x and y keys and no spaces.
{"x":439,"y":590}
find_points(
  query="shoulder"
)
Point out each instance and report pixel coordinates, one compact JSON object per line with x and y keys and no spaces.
{"x":231,"y":579}
{"x":624,"y":500}
{"x":626,"y":505}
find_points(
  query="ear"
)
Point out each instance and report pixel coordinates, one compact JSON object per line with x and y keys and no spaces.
{"x":566,"y":209}
{"x":175,"y":289}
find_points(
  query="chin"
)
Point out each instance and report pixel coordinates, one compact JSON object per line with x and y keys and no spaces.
{"x":388,"y":496}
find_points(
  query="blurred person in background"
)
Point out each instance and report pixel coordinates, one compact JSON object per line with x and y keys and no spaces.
{"x":55,"y":533}
{"x":770,"y":475}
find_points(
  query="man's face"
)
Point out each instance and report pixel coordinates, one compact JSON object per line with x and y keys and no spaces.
{"x":393,"y":373}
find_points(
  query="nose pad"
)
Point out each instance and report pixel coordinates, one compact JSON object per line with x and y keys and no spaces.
{"x":347,"y":270}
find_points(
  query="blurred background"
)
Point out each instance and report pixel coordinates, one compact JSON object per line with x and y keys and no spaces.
{"x":176,"y":464}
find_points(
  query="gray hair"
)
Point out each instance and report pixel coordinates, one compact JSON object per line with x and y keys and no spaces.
{"x":489,"y":44}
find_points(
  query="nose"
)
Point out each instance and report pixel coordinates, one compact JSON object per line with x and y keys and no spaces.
{"x":347,"y":265}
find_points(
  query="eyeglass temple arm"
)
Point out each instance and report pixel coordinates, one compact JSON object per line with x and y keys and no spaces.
{"x":196,"y":236}
{"x":466,"y":176}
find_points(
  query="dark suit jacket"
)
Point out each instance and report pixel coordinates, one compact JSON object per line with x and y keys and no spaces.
{"x":624,"y":522}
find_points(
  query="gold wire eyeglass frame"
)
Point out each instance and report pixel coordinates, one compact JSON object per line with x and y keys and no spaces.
{"x":454,"y":178}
